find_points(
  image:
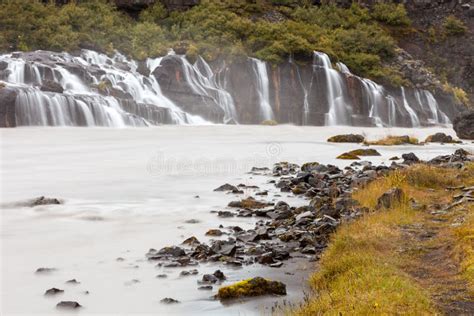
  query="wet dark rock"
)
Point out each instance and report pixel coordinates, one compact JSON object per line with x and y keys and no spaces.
{"x":225,"y":214}
{"x":410,"y":158}
{"x":214,"y":232}
{"x":390,"y":198}
{"x":227,"y":187}
{"x":394,"y":158}
{"x":205,"y":287}
{"x":464,"y":125}
{"x":209,"y":278}
{"x":262,"y":193}
{"x":189,"y":272}
{"x":120,"y":259}
{"x":166,"y":252}
{"x":51,"y":86}
{"x":440,"y":138}
{"x":169,"y":300}
{"x":44,"y":201}
{"x":364,"y":152}
{"x":348,"y":156}
{"x":73,"y":281}
{"x":53,"y":291}
{"x":45,"y":270}
{"x":68,"y":305}
{"x":192,"y":221}
{"x":162,"y":276}
{"x":349,"y":138}
{"x":219,"y":274}
{"x":226,"y":248}
{"x":252,"y":287}
{"x":191,"y":241}
{"x":250,"y":203}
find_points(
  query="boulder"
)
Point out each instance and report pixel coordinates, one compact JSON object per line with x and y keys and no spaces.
{"x":7,"y":107}
{"x":348,"y":156}
{"x":440,"y":138}
{"x":51,"y":86}
{"x":348,"y":138}
{"x":364,"y":152}
{"x":68,"y":305}
{"x":169,"y":300}
{"x":53,"y":291}
{"x":464,"y":125}
{"x":226,"y":187}
{"x":410,"y":158}
{"x":44,"y":201}
{"x":390,"y":198}
{"x":252,"y":287}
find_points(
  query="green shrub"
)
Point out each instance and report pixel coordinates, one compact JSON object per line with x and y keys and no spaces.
{"x":453,"y":26}
{"x":391,"y":14}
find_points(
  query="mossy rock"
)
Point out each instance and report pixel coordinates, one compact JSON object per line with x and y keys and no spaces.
{"x":441,"y":138}
{"x":348,"y":138}
{"x":395,"y":140}
{"x":348,"y":156}
{"x":364,"y":152}
{"x":252,"y":287}
{"x":250,"y":203}
{"x":269,"y":123}
{"x":309,"y":166}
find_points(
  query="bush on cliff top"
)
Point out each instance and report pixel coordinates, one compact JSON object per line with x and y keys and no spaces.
{"x":350,"y":35}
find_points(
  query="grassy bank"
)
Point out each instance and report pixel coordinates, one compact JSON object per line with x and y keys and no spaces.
{"x":409,"y":259}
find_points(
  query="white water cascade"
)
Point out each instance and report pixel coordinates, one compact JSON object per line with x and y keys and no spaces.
{"x":375,"y":99}
{"x":203,"y":81}
{"x":426,"y":100}
{"x":263,"y":89}
{"x":415,"y":121}
{"x":89,"y":100}
{"x":339,"y":111}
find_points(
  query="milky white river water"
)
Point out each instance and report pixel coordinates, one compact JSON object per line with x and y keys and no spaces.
{"x":127,"y":190}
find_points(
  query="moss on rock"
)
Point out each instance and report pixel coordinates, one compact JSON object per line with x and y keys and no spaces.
{"x":269,"y":123}
{"x":348,"y":138}
{"x":364,"y":152}
{"x":252,"y":287}
{"x":348,"y":156}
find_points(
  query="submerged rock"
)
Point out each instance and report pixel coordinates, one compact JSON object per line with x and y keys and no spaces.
{"x":226,"y":187}
{"x":45,"y":270}
{"x":348,"y":156}
{"x":250,"y":203}
{"x":364,"y":152}
{"x":169,"y":300}
{"x":44,"y":201}
{"x":252,"y":287}
{"x":68,"y":305}
{"x":348,"y":138}
{"x":53,"y":291}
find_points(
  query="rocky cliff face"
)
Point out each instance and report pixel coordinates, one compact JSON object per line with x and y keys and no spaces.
{"x":91,"y":89}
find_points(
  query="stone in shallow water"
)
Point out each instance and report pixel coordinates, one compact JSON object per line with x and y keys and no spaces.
{"x":252,"y":287}
{"x":169,"y":300}
{"x":53,"y":291}
{"x":348,"y":138}
{"x":45,"y":270}
{"x":44,"y":201}
{"x":226,"y":187}
{"x":68,"y":305}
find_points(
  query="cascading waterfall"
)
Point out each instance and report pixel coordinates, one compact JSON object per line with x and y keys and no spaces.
{"x":93,"y":89}
{"x":415,"y":121}
{"x":339,"y":112}
{"x":263,"y":89}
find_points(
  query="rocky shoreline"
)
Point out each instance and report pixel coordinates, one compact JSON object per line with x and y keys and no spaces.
{"x":281,"y":231}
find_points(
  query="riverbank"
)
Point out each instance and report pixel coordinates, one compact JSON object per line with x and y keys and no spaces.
{"x":414,"y":257}
{"x":128,"y":190}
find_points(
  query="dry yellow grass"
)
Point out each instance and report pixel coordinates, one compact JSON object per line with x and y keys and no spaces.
{"x":394,"y":141}
{"x":363,"y":271}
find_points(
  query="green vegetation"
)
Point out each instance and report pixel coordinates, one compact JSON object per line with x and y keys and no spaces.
{"x":354,"y":36}
{"x":381,"y":264}
{"x":453,"y":26}
{"x":394,"y":141}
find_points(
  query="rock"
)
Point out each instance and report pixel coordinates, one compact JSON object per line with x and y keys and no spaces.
{"x":44,"y":201}
{"x":51,"y":86}
{"x":306,"y":214}
{"x":410,"y":158}
{"x":169,"y":300}
{"x":192,"y":221}
{"x":53,"y":291}
{"x":348,"y":156}
{"x":348,"y":138}
{"x":214,"y":232}
{"x":73,"y":281}
{"x":205,"y":288}
{"x":226,"y":187}
{"x":276,"y":264}
{"x":166,"y":252}
{"x":68,"y":305}
{"x":45,"y":270}
{"x":394,"y":158}
{"x":364,"y":152}
{"x":191,"y":241}
{"x":250,"y":203}
{"x":391,"y":198}
{"x":225,"y":214}
{"x":226,"y":248}
{"x":190,"y":272}
{"x":162,"y":276}
{"x":209,"y":278}
{"x":463,"y":124}
{"x":252,"y":287}
{"x":440,"y":138}
{"x":219,"y":274}
{"x":8,"y":108}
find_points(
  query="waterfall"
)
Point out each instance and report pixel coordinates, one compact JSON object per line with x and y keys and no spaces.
{"x":392,"y":111}
{"x":202,"y":81}
{"x":339,"y":113}
{"x":375,"y":99}
{"x":343,"y":68}
{"x":426,"y":100}
{"x":415,"y":122}
{"x":263,"y":89}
